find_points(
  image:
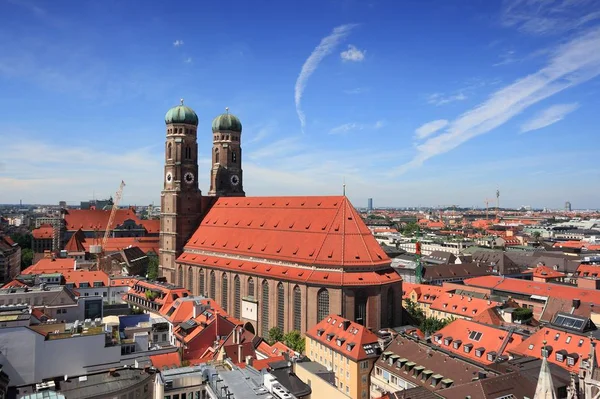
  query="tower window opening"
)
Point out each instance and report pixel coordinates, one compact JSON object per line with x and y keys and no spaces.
{"x":233,"y":157}
{"x":169,"y":151}
{"x":216,"y":155}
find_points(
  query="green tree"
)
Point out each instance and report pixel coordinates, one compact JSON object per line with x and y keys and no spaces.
{"x":23,"y":239}
{"x":152,"y":273}
{"x":410,"y":229}
{"x":26,"y":258}
{"x":414,"y":311}
{"x":537,"y":235}
{"x":294,"y":340}
{"x":275,"y":335}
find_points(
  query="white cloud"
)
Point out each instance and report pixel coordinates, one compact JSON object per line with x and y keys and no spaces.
{"x":430,"y":128}
{"x":571,"y":64}
{"x":188,"y":60}
{"x":347,"y":127}
{"x":548,"y":116}
{"x":441,"y":98}
{"x":325,"y":47}
{"x":545,"y":17}
{"x":178,"y":43}
{"x":353,"y":54}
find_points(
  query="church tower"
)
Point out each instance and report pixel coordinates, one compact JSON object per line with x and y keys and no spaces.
{"x":180,"y":207}
{"x":226,"y":173}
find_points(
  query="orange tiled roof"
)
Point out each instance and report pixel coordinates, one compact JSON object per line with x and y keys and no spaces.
{"x":425,"y":293}
{"x":478,"y":342}
{"x":264,"y":363}
{"x":345,"y":337}
{"x":77,"y":277}
{"x":96,"y":219}
{"x":542,"y":271}
{"x":462,"y":305}
{"x":490,"y":317}
{"x":168,"y":294}
{"x":166,"y":360}
{"x":578,"y":346}
{"x":45,"y":231}
{"x":315,"y":231}
{"x":14,"y":284}
{"x":182,"y":309}
{"x":534,"y":288}
{"x":115,"y":244}
{"x":577,"y":245}
{"x":48,"y":265}
{"x":291,"y":273}
{"x":152,"y":226}
{"x":75,"y":244}
{"x":585,"y":270}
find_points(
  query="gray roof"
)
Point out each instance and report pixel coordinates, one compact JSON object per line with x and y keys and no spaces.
{"x":103,"y":384}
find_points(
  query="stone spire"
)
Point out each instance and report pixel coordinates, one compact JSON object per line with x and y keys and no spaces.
{"x":545,"y":387}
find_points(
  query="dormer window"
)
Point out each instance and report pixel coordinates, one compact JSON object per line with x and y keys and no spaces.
{"x":572,"y":359}
{"x":467,"y":348}
{"x":329,"y":337}
{"x":479,"y":351}
{"x":447,"y":341}
{"x":320,"y":332}
{"x":456,"y":344}
{"x":491,"y":356}
{"x":560,"y":355}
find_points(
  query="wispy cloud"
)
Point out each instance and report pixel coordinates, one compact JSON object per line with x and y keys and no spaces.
{"x":188,"y":60}
{"x":545,"y":17}
{"x":548,"y":116}
{"x":353,"y":54}
{"x":325,"y":47}
{"x":441,"y":98}
{"x":348,"y":127}
{"x":430,"y":128}
{"x":178,"y":43}
{"x":506,"y":57}
{"x":571,"y":64}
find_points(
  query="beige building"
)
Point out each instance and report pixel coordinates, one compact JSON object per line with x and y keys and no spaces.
{"x":10,"y":259}
{"x":320,"y":379}
{"x":347,"y":349}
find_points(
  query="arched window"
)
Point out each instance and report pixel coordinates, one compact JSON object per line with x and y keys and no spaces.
{"x":213,"y":285}
{"x":251,"y":287}
{"x":224,"y":292}
{"x":201,"y":282}
{"x":237,"y":297}
{"x":180,"y":276}
{"x":264,"y":326}
{"x":216,"y":155}
{"x":169,"y":151}
{"x":233,"y":157}
{"x":188,"y":152}
{"x":322,"y":304}
{"x":390,"y":307}
{"x":190,"y":280}
{"x":297,"y":309}
{"x":281,"y":307}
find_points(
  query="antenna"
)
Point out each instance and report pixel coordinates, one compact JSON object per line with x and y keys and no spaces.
{"x":344,"y":187}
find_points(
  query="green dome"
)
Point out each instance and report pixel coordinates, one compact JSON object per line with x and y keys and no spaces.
{"x":181,"y":114}
{"x":227,"y":121}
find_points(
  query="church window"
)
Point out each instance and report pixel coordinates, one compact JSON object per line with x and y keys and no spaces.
{"x":251,"y":287}
{"x":169,"y":151}
{"x":190,"y":280}
{"x":180,"y":130}
{"x":216,"y":155}
{"x":201,"y":281}
{"x":322,"y":304}
{"x":180,"y":276}
{"x":213,"y":285}
{"x":280,"y":306}
{"x":265,"y":309}
{"x":297,"y":308}
{"x":236,"y":299}
{"x":233,"y":157}
{"x":224,"y":292}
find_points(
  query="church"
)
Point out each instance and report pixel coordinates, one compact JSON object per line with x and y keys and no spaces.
{"x":268,"y":261}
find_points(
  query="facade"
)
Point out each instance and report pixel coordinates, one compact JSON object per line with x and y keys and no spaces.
{"x":261,"y":258}
{"x":347,"y":348}
{"x":10,"y":259}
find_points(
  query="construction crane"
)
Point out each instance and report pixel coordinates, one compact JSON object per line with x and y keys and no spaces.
{"x":99,"y":249}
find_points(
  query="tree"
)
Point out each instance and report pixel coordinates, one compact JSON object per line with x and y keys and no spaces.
{"x":431,"y":324}
{"x":152,"y":273}
{"x":410,"y":228}
{"x":537,"y":235}
{"x":275,"y":335}
{"x":23,"y":239}
{"x":294,"y":340}
{"x":26,"y":258}
{"x":414,"y":311}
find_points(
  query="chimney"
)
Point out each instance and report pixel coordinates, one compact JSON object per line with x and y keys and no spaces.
{"x":469,"y":299}
{"x":198,"y":309}
{"x":240,"y":353}
{"x":576,"y":303}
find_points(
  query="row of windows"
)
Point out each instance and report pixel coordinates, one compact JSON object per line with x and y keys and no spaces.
{"x":226,"y":137}
{"x":233,"y":156}
{"x":180,"y":130}
{"x":187,"y":152}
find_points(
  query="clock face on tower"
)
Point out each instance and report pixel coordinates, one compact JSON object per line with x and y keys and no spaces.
{"x":235,"y":180}
{"x":189,"y":177}
{"x":169,"y":177}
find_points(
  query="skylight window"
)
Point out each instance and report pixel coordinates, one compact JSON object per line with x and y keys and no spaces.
{"x":475,"y":335}
{"x":530,"y":347}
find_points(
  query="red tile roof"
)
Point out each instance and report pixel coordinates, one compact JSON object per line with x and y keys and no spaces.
{"x":77,"y":277}
{"x":168,"y":294}
{"x":14,"y":284}
{"x":534,"y":288}
{"x":264,"y":363}
{"x":577,"y":245}
{"x":345,"y":337}
{"x":96,"y":219}
{"x":462,"y":335}
{"x":48,"y":265}
{"x":425,"y":293}
{"x":146,"y":244}
{"x":315,"y":231}
{"x":152,"y":226}
{"x":166,"y":360}
{"x":490,"y":317}
{"x":545,"y":272}
{"x":45,"y":231}
{"x":75,"y":243}
{"x":588,"y":270}
{"x":577,"y":345}
{"x":462,"y":305}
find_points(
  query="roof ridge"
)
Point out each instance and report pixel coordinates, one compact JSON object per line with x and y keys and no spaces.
{"x":327,"y":235}
{"x":362,"y":237}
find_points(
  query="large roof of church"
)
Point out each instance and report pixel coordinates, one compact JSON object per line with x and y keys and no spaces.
{"x":313,"y":231}
{"x":97,"y":219}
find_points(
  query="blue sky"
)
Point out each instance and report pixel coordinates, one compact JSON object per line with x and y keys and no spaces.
{"x":409,"y":102}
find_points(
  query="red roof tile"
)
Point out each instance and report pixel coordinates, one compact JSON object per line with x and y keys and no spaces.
{"x":315,"y":231}
{"x":75,"y":243}
{"x":343,"y":336}
{"x":264,"y":363}
{"x":462,"y":335}
{"x":166,"y":360}
{"x":462,"y":305}
{"x":45,"y":231}
{"x":96,"y":219}
{"x":146,"y":244}
{"x":77,"y":277}
{"x":588,"y":270}
{"x":546,"y":272}
{"x":152,"y":226}
{"x":48,"y":265}
{"x":534,"y":288}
